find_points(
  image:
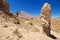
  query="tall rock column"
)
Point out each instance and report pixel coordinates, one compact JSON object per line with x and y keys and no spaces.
{"x":45,"y":18}
{"x":1,"y":4}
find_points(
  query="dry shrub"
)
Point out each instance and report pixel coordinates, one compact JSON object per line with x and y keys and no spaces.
{"x":5,"y":26}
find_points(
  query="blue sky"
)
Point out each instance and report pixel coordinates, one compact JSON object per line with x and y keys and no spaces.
{"x":33,"y":7}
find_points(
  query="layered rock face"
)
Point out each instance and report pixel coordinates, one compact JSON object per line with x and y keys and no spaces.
{"x":4,"y":6}
{"x":1,"y":3}
{"x":45,"y":18}
{"x":17,"y":14}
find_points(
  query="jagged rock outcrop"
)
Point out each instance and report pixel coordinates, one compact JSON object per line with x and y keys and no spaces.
{"x":1,"y":3}
{"x":4,"y":6}
{"x":45,"y":18}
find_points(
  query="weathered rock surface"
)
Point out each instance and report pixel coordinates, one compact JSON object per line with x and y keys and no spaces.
{"x":45,"y":18}
{"x":4,"y":6}
{"x":1,"y":2}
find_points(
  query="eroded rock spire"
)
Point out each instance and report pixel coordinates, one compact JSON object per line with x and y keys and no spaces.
{"x":45,"y":18}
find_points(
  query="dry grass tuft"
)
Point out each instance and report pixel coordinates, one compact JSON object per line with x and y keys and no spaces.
{"x":5,"y":26}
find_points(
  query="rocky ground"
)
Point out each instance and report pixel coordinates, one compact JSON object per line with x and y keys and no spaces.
{"x":21,"y":28}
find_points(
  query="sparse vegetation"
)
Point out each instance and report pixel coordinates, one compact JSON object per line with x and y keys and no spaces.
{"x":31,"y":24}
{"x":34,"y":29}
{"x":31,"y":18}
{"x":27,"y":19}
{"x":7,"y":37}
{"x":17,"y":22}
{"x":17,"y":33}
{"x":5,"y":26}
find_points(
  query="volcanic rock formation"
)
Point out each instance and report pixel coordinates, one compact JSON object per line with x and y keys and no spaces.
{"x":45,"y":18}
{"x":4,"y":6}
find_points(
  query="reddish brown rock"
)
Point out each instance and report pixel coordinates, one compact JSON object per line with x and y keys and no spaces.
{"x":4,"y":6}
{"x":1,"y":3}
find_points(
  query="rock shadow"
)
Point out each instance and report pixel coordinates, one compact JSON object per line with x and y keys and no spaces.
{"x":52,"y":36}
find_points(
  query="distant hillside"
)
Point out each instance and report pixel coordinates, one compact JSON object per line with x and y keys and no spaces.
{"x":24,"y":14}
